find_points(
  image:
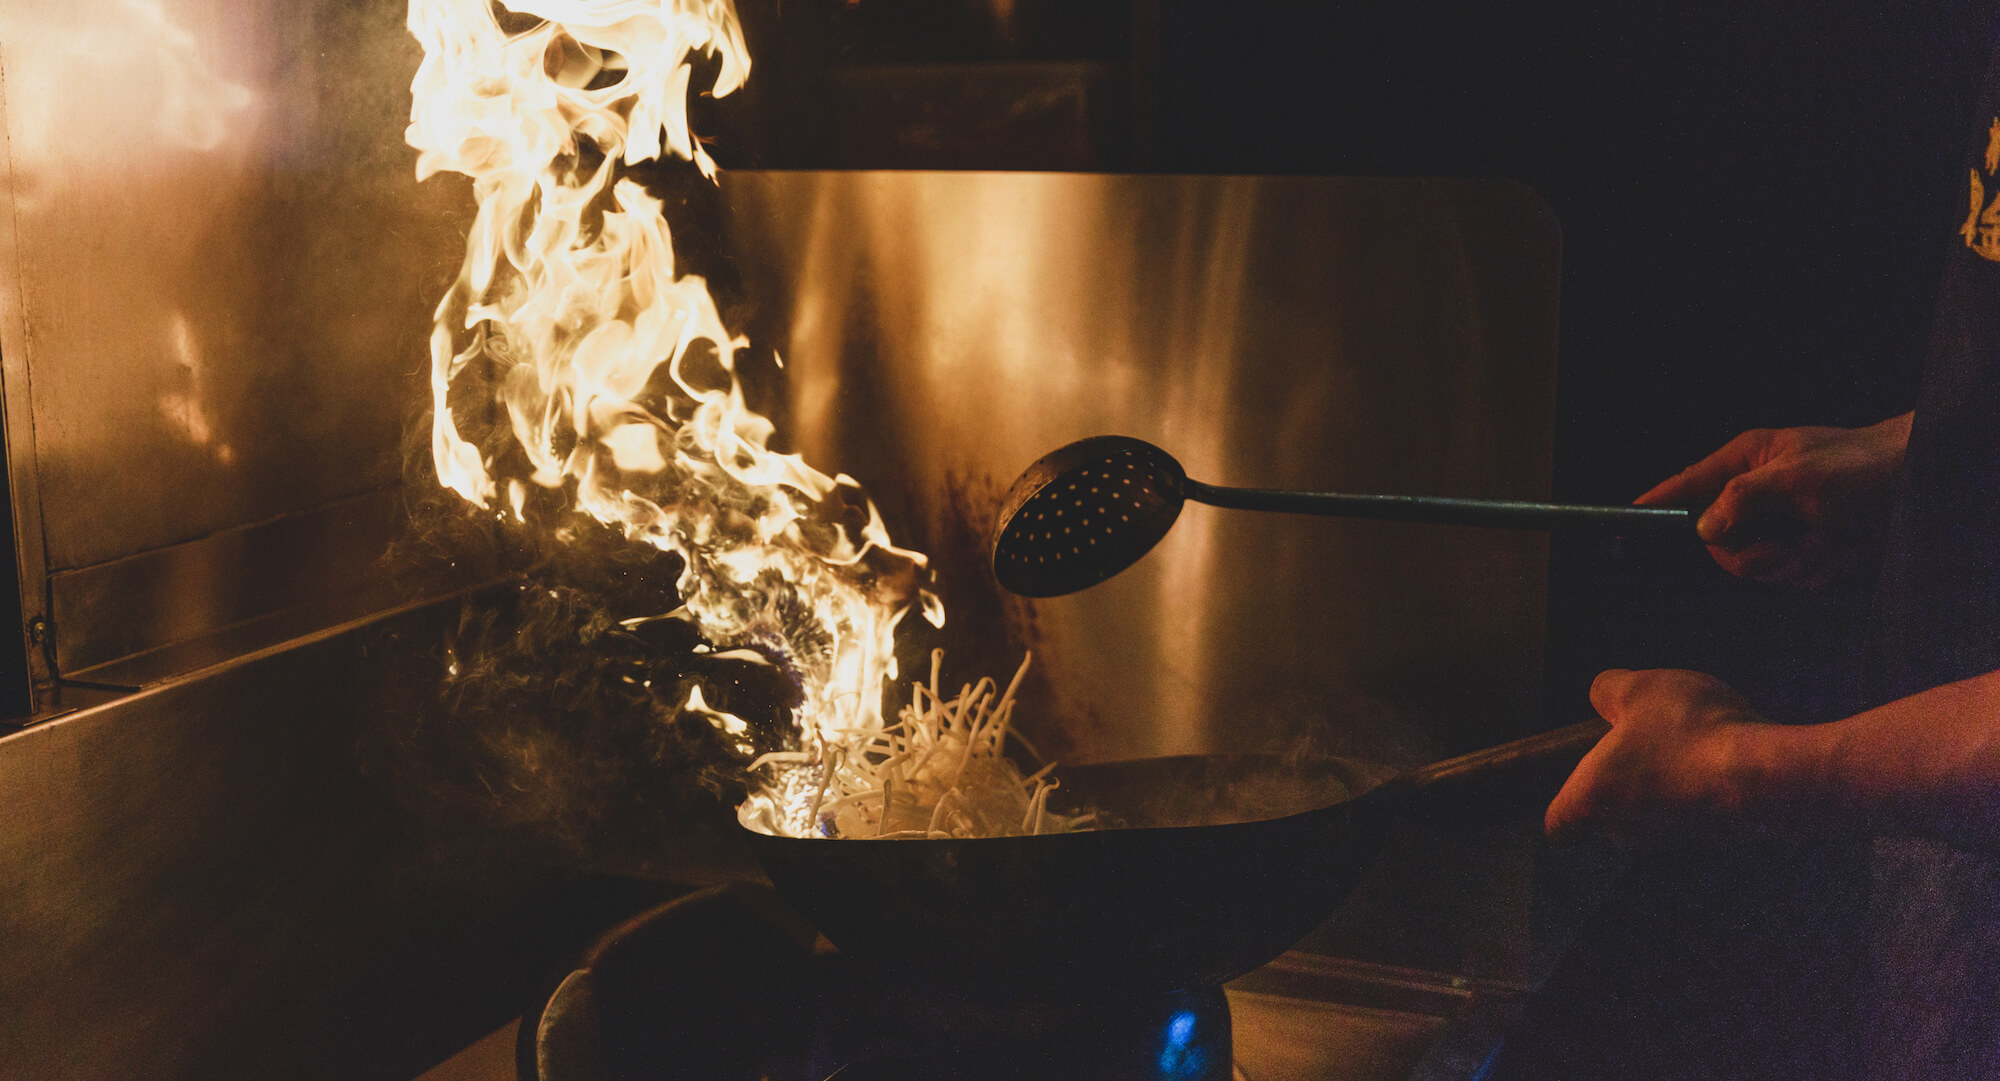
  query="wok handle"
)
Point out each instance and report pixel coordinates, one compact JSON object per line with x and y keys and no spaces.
{"x":1498,"y":782}
{"x":1440,"y":510}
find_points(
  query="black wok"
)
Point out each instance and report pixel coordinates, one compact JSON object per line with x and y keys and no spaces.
{"x":1218,"y":864}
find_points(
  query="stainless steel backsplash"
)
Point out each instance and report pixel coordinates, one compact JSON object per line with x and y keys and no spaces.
{"x":942,"y":330}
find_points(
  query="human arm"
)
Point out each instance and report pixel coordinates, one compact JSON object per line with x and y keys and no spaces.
{"x":1687,"y":752}
{"x":1805,"y":506}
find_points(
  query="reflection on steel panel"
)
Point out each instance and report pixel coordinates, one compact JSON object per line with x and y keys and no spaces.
{"x":220,"y":270}
{"x":942,"y":330}
{"x":224,"y":260}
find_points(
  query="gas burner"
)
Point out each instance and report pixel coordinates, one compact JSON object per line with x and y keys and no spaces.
{"x":724,"y":984}
{"x":727,"y":984}
{"x":1180,"y":1037}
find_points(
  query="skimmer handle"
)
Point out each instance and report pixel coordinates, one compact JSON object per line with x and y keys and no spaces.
{"x":1439,"y":510}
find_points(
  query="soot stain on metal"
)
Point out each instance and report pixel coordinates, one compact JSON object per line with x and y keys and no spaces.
{"x":987,"y":628}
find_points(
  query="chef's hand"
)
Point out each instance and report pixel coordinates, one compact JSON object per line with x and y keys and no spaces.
{"x":1803,"y":506}
{"x":1671,"y":763}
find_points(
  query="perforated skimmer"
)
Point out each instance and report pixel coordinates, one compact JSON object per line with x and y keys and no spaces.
{"x":1084,"y":512}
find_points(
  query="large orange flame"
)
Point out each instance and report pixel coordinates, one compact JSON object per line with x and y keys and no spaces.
{"x":615,"y":375}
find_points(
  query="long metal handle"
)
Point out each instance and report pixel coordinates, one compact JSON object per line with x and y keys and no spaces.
{"x":1497,"y":783}
{"x":1496,"y":513}
{"x":1560,"y":749}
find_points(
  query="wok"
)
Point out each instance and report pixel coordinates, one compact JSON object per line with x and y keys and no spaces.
{"x":1216,"y":864}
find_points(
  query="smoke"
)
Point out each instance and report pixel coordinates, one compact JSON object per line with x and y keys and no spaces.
{"x":549,"y":712}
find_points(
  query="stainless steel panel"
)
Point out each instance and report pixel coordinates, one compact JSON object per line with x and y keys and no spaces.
{"x":209,"y":880}
{"x":218,"y":269}
{"x":223,"y":257}
{"x":188,"y":873}
{"x":941,"y":330}
{"x":146,"y":616}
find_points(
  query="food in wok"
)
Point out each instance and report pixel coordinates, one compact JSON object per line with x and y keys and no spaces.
{"x":941,"y":771}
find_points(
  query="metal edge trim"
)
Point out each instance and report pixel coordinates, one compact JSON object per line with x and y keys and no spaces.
{"x":41,"y":724}
{"x":23,"y":476}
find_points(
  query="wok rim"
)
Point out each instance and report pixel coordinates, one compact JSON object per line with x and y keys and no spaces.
{"x":1380,"y":783}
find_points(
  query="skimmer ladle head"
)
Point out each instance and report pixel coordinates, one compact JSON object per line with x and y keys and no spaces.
{"x":1085,"y":512}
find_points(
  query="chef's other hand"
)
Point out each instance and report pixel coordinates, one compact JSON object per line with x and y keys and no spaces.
{"x":1670,"y":764}
{"x":1802,"y":506}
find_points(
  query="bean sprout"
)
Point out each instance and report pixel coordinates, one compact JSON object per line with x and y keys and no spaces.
{"x":940,"y":771}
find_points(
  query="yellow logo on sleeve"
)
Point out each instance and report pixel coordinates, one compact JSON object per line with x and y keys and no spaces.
{"x":1982,"y":223}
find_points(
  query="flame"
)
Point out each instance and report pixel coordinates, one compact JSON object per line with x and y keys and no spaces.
{"x":614,"y":374}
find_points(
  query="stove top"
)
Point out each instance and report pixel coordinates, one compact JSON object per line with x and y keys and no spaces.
{"x":729,"y":984}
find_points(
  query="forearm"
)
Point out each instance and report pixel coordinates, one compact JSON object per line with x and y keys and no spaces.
{"x":1928,"y":764}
